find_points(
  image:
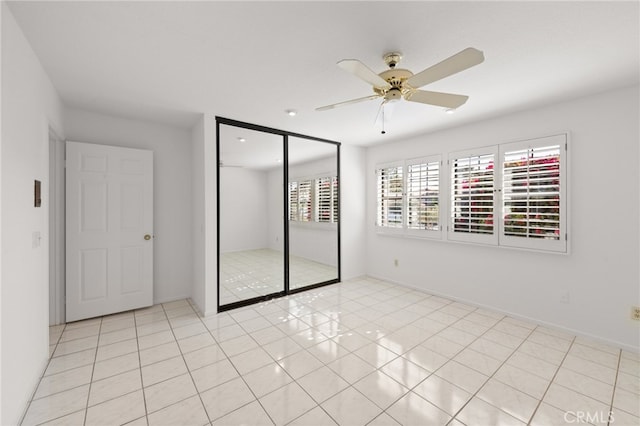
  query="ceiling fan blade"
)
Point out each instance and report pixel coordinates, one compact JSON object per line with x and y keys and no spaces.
{"x":352,"y":101}
{"x":446,"y":100}
{"x":452,"y":65}
{"x":363,"y":72}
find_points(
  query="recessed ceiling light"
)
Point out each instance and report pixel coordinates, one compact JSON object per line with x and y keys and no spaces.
{"x":291,"y":112}
{"x":241,"y":139}
{"x":278,"y":160}
{"x":450,"y":110}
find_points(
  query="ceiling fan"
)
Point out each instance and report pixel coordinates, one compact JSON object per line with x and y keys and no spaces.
{"x":397,"y":83}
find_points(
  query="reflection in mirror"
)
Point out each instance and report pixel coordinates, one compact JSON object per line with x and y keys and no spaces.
{"x":313,"y":212}
{"x":250,"y":214}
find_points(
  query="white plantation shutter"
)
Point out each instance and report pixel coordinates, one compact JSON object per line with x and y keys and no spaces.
{"x":314,"y":200}
{"x":324,"y":200}
{"x":304,"y":201}
{"x":390,"y":200}
{"x":300,"y":201}
{"x":335,"y":197}
{"x":472,"y":207}
{"x":293,"y":200}
{"x":511,"y":195}
{"x":423,"y":194}
{"x":533,"y":194}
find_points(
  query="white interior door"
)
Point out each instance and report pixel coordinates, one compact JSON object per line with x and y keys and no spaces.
{"x":109,"y":229}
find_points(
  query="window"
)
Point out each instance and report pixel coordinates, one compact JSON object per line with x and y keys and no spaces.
{"x":472,"y":196}
{"x":533,"y":185}
{"x":314,"y":200}
{"x":511,"y":195}
{"x":293,"y":200}
{"x":410,"y":189}
{"x":300,"y":201}
{"x":327,"y":199}
{"x":423,"y":195}
{"x":390,"y":189}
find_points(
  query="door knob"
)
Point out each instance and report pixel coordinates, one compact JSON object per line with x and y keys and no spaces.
{"x":147,"y":237}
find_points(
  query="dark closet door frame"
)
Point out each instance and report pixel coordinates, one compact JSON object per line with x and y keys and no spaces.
{"x":285,"y":185}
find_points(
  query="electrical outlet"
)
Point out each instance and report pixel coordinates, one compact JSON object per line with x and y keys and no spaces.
{"x":395,"y":262}
{"x":635,"y":313}
{"x":564,"y":297}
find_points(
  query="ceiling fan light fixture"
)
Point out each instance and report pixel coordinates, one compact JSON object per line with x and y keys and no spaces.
{"x":393,"y":95}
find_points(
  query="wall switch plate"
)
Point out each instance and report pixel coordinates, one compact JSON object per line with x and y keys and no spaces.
{"x":635,"y":313}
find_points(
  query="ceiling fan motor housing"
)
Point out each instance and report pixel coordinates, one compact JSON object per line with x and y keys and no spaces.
{"x":396,"y":79}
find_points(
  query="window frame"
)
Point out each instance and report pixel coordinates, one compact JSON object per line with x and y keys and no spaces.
{"x":471,"y":237}
{"x":436,"y":232}
{"x":403,"y":227}
{"x":384,"y":227}
{"x":446,"y":194}
{"x":559,"y":245}
{"x":312,"y":203}
{"x":307,"y":211}
{"x":332,"y":199}
{"x":499,"y":239}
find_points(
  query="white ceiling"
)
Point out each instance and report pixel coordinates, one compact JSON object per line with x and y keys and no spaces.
{"x":250,"y":61}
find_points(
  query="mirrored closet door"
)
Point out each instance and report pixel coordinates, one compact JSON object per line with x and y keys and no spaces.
{"x":313,"y":212}
{"x":278,"y":213}
{"x":250,"y":236}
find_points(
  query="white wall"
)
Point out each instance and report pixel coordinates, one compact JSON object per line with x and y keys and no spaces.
{"x":275,"y":213}
{"x":198,"y":289}
{"x":353,"y":235}
{"x":204,"y":226}
{"x":30,"y":105}
{"x":601,"y":272}
{"x":172,"y":265}
{"x":1,"y":97}
{"x":243,"y":209}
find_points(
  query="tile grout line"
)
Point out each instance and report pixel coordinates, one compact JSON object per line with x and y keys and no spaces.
{"x":351,"y":385}
{"x":144,"y":398}
{"x":274,"y":360}
{"x":613,"y":394}
{"x":474,"y":395}
{"x":551,"y":381}
{"x":204,"y":407}
{"x":93,"y":369}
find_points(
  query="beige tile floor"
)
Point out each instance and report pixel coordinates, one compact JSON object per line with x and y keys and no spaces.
{"x":363,"y":352}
